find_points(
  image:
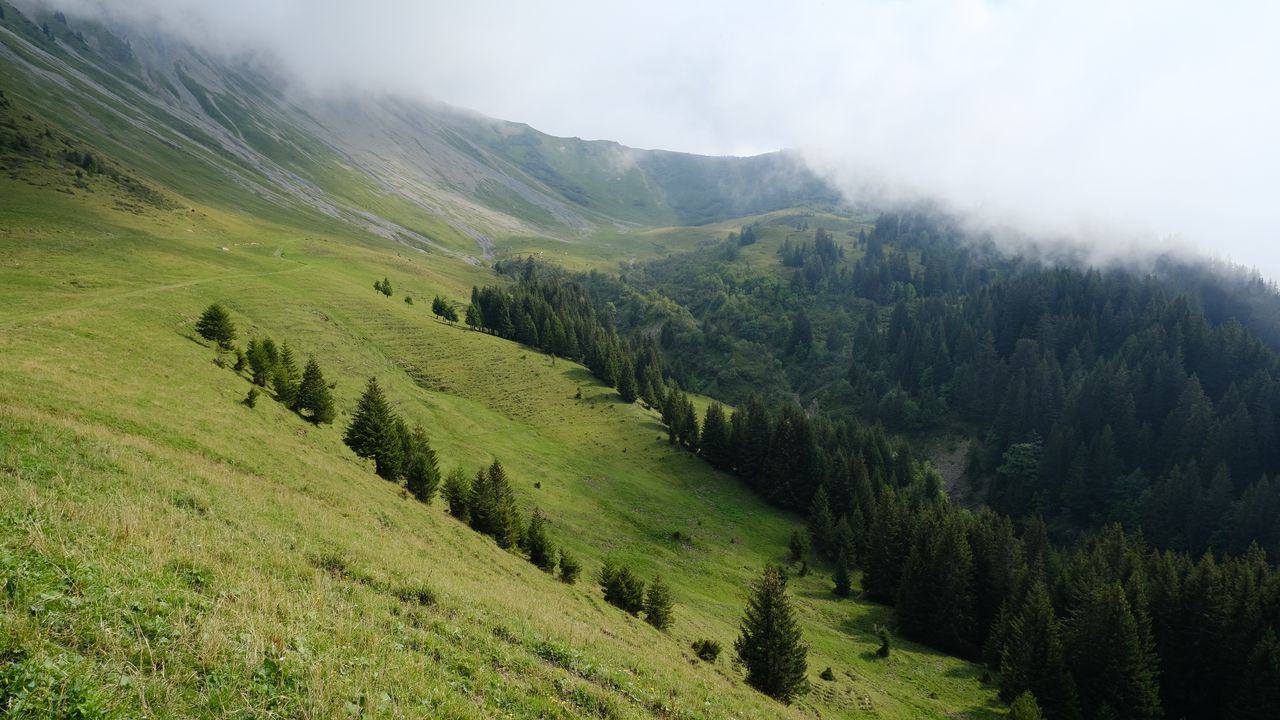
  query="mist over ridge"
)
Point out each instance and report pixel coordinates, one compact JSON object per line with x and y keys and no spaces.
{"x":1136,"y":129}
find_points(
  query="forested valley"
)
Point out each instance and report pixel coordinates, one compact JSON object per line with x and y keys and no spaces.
{"x":1122,"y":427}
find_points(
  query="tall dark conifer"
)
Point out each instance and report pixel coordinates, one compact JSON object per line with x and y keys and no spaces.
{"x":373,"y":432}
{"x":770,"y":646}
{"x":312,"y":399}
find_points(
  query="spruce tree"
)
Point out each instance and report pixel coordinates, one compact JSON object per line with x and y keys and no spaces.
{"x":421,"y":472}
{"x":843,"y":580}
{"x":569,"y":567}
{"x":504,"y":520}
{"x":1258,"y":694}
{"x":1111,"y":657}
{"x":715,"y":441}
{"x":457,"y":492}
{"x":284,"y":377}
{"x":261,"y":358}
{"x":798,"y":545}
{"x":312,"y":400}
{"x":621,"y":587}
{"x":1025,"y":707}
{"x":473,"y":316}
{"x":821,"y":525}
{"x":373,"y":433}
{"x":1032,"y":658}
{"x":215,"y":325}
{"x":480,"y":503}
{"x":628,"y":390}
{"x":770,"y":646}
{"x":657,"y":604}
{"x":535,"y":543}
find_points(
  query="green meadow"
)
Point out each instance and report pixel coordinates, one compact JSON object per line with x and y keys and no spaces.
{"x":166,"y":551}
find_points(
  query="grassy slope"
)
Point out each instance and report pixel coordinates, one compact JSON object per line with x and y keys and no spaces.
{"x":185,"y":555}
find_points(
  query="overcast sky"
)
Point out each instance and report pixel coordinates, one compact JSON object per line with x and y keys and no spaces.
{"x":1155,"y":121}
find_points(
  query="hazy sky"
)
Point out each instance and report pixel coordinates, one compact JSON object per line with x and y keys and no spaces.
{"x":1150,"y":120}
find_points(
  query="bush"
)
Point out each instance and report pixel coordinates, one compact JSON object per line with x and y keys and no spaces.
{"x":827,"y":675}
{"x":883,"y":650}
{"x":707,"y":650}
{"x":252,"y":398}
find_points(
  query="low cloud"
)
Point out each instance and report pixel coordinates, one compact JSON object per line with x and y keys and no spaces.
{"x":1134,"y":125}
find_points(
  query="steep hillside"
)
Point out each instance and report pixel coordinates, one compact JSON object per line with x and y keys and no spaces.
{"x":230,"y":134}
{"x":167,"y":551}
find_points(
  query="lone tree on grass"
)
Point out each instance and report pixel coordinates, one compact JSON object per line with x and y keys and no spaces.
{"x":215,"y":326}
{"x":373,"y":433}
{"x":383,"y":286}
{"x":770,"y":646}
{"x":312,"y":399}
{"x":657,"y":604}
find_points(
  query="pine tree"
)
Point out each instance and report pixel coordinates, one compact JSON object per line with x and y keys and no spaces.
{"x":798,"y":545}
{"x":373,"y":433}
{"x":770,"y":646}
{"x":1111,"y":657}
{"x":480,"y":503}
{"x":284,"y":377}
{"x":312,"y":400}
{"x":260,"y":354}
{"x":715,"y":444}
{"x":1032,"y":657}
{"x":473,"y":316}
{"x":1258,"y":695}
{"x":821,"y":526}
{"x":688,"y":423}
{"x":536,"y":544}
{"x":621,"y":587}
{"x":504,"y":520}
{"x":569,"y":567}
{"x":1025,"y":707}
{"x":657,"y":604}
{"x":421,"y":472}
{"x":843,"y":580}
{"x":457,"y":492}
{"x":628,"y":390}
{"x":215,"y":325}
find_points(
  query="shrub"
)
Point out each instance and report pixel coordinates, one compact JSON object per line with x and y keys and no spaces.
{"x":883,"y":650}
{"x":252,"y":398}
{"x":707,"y":650}
{"x":827,"y":675}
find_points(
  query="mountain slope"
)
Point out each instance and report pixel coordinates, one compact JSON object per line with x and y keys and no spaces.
{"x":176,"y":553}
{"x":421,"y":173}
{"x":167,"y":551}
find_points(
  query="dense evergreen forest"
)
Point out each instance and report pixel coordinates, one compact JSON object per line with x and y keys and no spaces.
{"x":1124,"y":431}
